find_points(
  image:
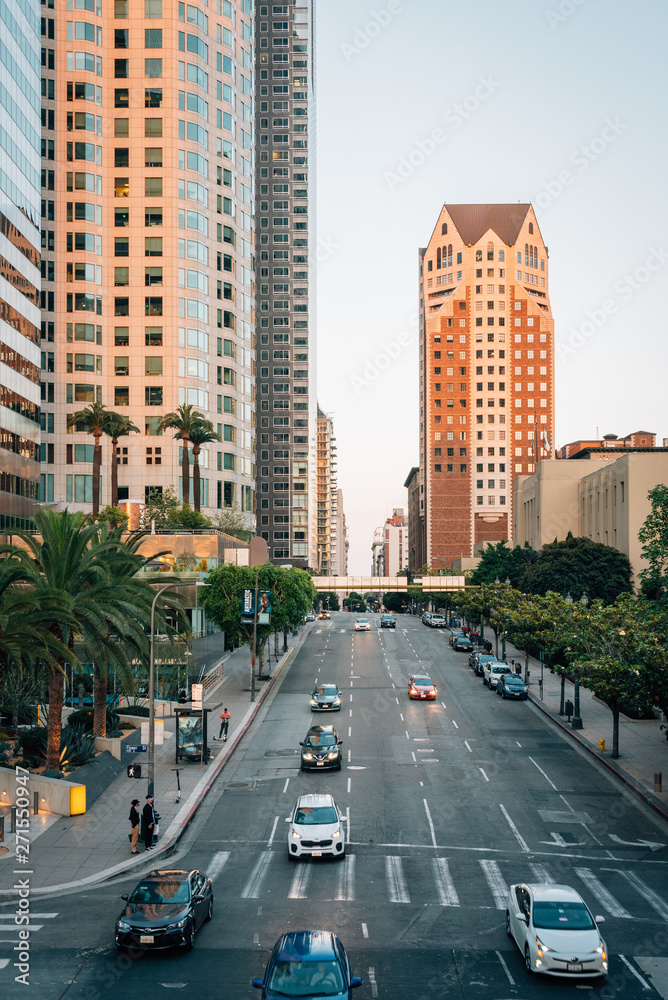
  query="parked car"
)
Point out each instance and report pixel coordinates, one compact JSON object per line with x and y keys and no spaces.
{"x":362,"y":625}
{"x":555,"y":931}
{"x":512,"y":686}
{"x":388,"y":621}
{"x":454,"y":634}
{"x":494,"y":670}
{"x":310,"y":617}
{"x":420,"y":686}
{"x":437,"y":621}
{"x":165,"y":910}
{"x":479,"y":661}
{"x":425,"y":617}
{"x":324,"y":614}
{"x":308,"y":964}
{"x":316,"y":828}
{"x":326,"y":698}
{"x":462,"y":644}
{"x":321,"y":749}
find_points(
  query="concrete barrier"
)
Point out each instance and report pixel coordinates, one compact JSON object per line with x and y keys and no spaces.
{"x":55,"y":795}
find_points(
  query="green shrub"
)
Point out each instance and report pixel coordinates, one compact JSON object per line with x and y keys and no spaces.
{"x":77,"y":745}
{"x":142,"y":710}
{"x":84,"y":717}
{"x":33,"y":745}
{"x":53,"y":774}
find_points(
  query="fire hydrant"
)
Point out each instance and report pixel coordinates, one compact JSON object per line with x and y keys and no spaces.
{"x":601,"y":745}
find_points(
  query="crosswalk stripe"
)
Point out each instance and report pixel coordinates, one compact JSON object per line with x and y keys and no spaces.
{"x":654,"y":900}
{"x":445,"y":887}
{"x":496,"y":883}
{"x":541,"y":874}
{"x":252,"y":888}
{"x":605,"y":898}
{"x":300,"y":881}
{"x":396,"y":881}
{"x":217,"y":864}
{"x":346,"y":889}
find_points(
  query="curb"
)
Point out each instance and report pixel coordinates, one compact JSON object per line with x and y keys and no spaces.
{"x":636,"y":786}
{"x":178,"y":825}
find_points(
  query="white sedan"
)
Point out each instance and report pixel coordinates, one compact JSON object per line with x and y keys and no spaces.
{"x":555,"y":931}
{"x":316,"y":828}
{"x":362,"y":625}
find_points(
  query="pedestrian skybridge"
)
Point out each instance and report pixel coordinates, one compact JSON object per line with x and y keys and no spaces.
{"x":388,"y":584}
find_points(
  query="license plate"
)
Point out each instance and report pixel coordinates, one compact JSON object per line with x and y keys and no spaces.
{"x":146,"y":939}
{"x":316,"y":854}
{"x":574,"y":966}
{"x":320,"y":763}
{"x":423,"y":696}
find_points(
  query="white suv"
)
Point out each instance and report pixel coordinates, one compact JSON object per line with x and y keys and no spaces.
{"x":316,"y":828}
{"x":493,"y":670}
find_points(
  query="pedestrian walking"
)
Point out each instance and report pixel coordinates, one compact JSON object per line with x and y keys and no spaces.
{"x":224,"y":725}
{"x":134,"y":826}
{"x":148,"y":815}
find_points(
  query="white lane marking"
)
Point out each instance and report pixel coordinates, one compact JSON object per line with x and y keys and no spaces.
{"x":346,"y":888}
{"x":455,"y":724}
{"x":583,"y":825}
{"x":445,"y":887}
{"x":518,"y":836}
{"x":256,"y":938}
{"x":349,"y":753}
{"x":365,"y":931}
{"x":273,"y":831}
{"x":549,"y":781}
{"x":401,"y":716}
{"x":350,"y":731}
{"x":300,"y":881}
{"x":466,"y":744}
{"x":351,"y":696}
{"x":422,"y":784}
{"x":496,"y":883}
{"x":318,"y":631}
{"x":397,"y":700}
{"x":483,"y":774}
{"x":350,"y":713}
{"x":349,"y":783}
{"x":252,"y":888}
{"x":407,"y":736}
{"x":541,"y":874}
{"x":342,"y":631}
{"x":430,"y":821}
{"x":605,"y":898}
{"x":372,"y":981}
{"x":285,"y":786}
{"x":645,"y":984}
{"x":414,"y":757}
{"x":518,"y":743}
{"x":217,"y":864}
{"x":347,"y":824}
{"x":505,"y":968}
{"x":396,"y":882}
{"x":654,"y":900}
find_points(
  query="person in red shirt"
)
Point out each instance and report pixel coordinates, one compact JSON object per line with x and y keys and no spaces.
{"x":224,"y":725}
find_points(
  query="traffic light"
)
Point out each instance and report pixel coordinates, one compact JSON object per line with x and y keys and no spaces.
{"x":134,"y":770}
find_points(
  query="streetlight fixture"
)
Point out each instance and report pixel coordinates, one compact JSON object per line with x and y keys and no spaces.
{"x":577,"y":718}
{"x":568,"y":598}
{"x":151,"y":691}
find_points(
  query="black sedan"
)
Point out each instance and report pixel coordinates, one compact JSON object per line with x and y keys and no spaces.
{"x":388,"y":621}
{"x":308,"y":964}
{"x":165,"y":910}
{"x":321,"y":749}
{"x":479,"y":661}
{"x":512,"y":686}
{"x":462,"y":644}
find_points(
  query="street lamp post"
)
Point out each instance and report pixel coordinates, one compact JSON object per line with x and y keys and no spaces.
{"x":151,"y":690}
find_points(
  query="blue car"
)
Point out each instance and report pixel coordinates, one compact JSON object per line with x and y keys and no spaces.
{"x":308,"y":964}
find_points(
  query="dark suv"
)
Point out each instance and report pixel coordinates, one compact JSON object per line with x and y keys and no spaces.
{"x":321,"y":748}
{"x":388,"y":621}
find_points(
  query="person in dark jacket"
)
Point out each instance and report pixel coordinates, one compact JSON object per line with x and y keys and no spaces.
{"x":134,"y":826}
{"x":148,"y":815}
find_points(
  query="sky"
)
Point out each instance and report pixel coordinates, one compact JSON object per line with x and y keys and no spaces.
{"x":424,"y":102}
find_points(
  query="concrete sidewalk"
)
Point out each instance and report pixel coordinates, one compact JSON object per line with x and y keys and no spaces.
{"x":643,"y":747}
{"x":66,"y":852}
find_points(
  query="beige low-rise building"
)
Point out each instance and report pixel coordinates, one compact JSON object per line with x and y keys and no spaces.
{"x":604,"y":499}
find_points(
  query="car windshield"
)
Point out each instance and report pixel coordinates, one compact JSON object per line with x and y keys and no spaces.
{"x":560,"y":916}
{"x":500,"y":670}
{"x":320,"y":739}
{"x":363,"y":621}
{"x":314,"y":815}
{"x":167,"y":890}
{"x":513,"y":681}
{"x":327,"y":690}
{"x":422,"y":681}
{"x":306,"y":979}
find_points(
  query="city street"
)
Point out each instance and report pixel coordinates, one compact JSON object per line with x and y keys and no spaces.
{"x":448,"y":803}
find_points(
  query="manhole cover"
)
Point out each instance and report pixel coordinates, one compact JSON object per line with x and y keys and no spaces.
{"x":281,"y":753}
{"x":562,"y":816}
{"x":242,"y":786}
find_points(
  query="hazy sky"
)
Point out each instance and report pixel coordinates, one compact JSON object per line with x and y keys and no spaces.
{"x":557,"y":102}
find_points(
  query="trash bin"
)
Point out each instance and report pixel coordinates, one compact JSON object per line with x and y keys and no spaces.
{"x":518,"y":669}
{"x":568,"y":709}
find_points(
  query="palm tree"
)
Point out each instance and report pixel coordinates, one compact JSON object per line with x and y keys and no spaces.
{"x":117,"y":426}
{"x":182,"y":421}
{"x":201,"y":433}
{"x":93,"y":421}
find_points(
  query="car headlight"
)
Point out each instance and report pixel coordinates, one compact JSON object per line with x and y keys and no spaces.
{"x":313,"y":701}
{"x":123,"y":925}
{"x":333,"y":754}
{"x":297,"y":836}
{"x":175,"y":926}
{"x":542,"y":948}
{"x":307,"y":756}
{"x":337,"y":833}
{"x":602,"y":952}
{"x":337,"y":701}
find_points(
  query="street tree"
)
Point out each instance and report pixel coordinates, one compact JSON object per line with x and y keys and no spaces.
{"x":201,"y":433}
{"x":577,"y":566}
{"x":117,"y":426}
{"x":92,"y":420}
{"x":233,"y":521}
{"x":654,"y":538}
{"x":329,"y":599}
{"x":183,"y":421}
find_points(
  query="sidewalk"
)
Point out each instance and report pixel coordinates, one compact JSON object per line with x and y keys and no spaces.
{"x":643,"y":748}
{"x":70,"y":851}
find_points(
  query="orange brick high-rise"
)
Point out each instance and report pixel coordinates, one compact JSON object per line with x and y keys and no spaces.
{"x":486,"y":373}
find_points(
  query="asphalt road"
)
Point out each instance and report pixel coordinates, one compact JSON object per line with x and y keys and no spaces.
{"x":448,"y":803}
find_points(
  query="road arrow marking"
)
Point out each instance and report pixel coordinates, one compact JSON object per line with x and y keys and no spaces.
{"x":653,"y":846}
